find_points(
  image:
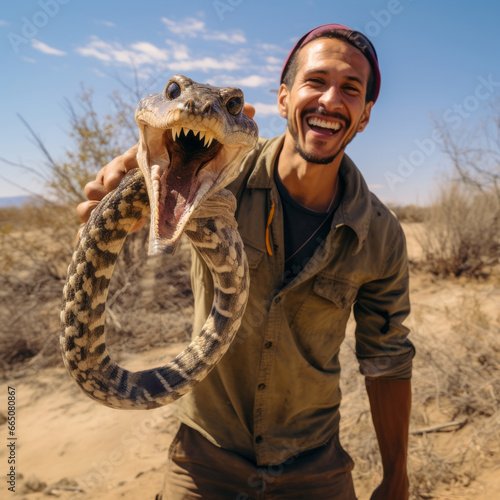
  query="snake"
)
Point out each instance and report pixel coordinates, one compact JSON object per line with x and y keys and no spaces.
{"x":192,"y":137}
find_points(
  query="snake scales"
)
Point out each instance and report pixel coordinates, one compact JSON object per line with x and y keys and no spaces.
{"x":192,"y":137}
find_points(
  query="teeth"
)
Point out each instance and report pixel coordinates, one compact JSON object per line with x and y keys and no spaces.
{"x":318,"y":122}
{"x":207,"y":137}
{"x":176,"y":131}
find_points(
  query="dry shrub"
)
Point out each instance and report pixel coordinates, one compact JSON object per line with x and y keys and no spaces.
{"x":461,"y":232}
{"x":149,"y":303}
{"x":409,"y":213}
{"x":35,"y":248}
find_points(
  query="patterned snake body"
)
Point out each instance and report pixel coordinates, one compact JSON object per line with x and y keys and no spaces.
{"x":192,"y":137}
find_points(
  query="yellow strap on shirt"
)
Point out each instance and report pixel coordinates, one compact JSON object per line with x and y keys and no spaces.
{"x":269,"y":220}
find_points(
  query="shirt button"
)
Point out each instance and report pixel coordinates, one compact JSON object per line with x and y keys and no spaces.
{"x":259,"y":439}
{"x":277,"y":300}
{"x":268,"y":345}
{"x":261,"y":387}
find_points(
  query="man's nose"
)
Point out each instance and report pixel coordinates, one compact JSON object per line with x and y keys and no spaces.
{"x":331,"y":98}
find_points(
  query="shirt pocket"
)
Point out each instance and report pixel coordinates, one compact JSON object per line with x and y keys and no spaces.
{"x":319,"y":325}
{"x":254,"y":256}
{"x":340,"y":293}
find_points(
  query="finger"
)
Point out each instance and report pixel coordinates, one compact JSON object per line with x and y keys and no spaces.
{"x":116,"y":169}
{"x":130,"y":158}
{"x":95,"y":191}
{"x":83,"y":210}
{"x":249,"y":110}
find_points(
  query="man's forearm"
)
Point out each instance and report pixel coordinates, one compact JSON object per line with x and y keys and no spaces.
{"x":390,"y":402}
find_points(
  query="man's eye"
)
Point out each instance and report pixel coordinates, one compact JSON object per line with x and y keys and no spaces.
{"x":351,"y":89}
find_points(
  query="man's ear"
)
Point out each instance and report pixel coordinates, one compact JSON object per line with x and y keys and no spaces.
{"x":366,"y":116}
{"x":283,"y":94}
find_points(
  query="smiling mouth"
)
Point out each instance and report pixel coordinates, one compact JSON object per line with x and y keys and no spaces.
{"x":323,"y":126}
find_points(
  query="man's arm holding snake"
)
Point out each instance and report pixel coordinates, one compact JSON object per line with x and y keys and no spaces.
{"x":111,"y":175}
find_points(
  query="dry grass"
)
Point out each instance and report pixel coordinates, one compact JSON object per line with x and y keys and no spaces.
{"x":34,"y":264}
{"x":410,"y":213}
{"x":461,"y":232}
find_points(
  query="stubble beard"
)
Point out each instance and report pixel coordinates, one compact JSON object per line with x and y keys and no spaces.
{"x":318,"y":160}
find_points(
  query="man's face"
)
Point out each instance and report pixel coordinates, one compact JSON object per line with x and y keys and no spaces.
{"x":325,"y":108}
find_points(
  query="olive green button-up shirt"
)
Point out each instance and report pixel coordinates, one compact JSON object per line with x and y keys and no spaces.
{"x":276,"y":391}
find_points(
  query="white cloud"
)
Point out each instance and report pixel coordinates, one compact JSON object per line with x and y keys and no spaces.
{"x":3,"y":22}
{"x":245,"y":81}
{"x":268,"y":47}
{"x":274,"y":60}
{"x":233,"y":37}
{"x":187,"y":27}
{"x":96,"y":48}
{"x":206,"y":64}
{"x":375,"y":186}
{"x":29,"y":59}
{"x":150,"y":50}
{"x":46,"y":49}
{"x":139,"y":53}
{"x":109,"y":24}
{"x":262,"y":109}
{"x":99,"y":73}
{"x":179,"y":50}
{"x":194,"y":28}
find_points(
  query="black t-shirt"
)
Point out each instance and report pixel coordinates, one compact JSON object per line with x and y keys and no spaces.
{"x":304,"y":231}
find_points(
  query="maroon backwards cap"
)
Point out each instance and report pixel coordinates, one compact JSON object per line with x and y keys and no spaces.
{"x":353,"y":37}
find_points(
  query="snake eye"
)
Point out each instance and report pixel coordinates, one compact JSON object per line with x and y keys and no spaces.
{"x":173,"y":91}
{"x":234,"y":105}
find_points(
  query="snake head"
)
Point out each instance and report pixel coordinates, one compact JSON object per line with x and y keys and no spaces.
{"x":191,"y":139}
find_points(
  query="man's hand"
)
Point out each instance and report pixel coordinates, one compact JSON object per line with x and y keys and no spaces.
{"x":107,"y":179}
{"x":111,"y":175}
{"x":390,"y":490}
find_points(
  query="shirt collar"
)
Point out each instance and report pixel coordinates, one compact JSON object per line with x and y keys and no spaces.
{"x":355,"y":209}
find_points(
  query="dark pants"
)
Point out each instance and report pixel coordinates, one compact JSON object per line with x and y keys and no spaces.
{"x":198,"y":469}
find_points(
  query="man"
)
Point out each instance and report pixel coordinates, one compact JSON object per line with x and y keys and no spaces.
{"x":264,"y":423}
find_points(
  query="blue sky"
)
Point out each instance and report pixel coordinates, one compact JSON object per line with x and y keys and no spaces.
{"x":437,"y":58}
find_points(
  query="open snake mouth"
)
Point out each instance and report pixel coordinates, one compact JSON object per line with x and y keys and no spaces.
{"x":190,"y":146}
{"x":183,"y":166}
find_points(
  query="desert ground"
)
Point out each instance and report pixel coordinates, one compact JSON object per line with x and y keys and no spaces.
{"x":70,"y":447}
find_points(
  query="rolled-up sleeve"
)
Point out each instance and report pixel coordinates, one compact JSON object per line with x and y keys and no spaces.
{"x":382,"y":345}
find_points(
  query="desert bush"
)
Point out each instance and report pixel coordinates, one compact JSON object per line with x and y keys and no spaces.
{"x":409,"y":213}
{"x":461,"y":232}
{"x":149,"y":302}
